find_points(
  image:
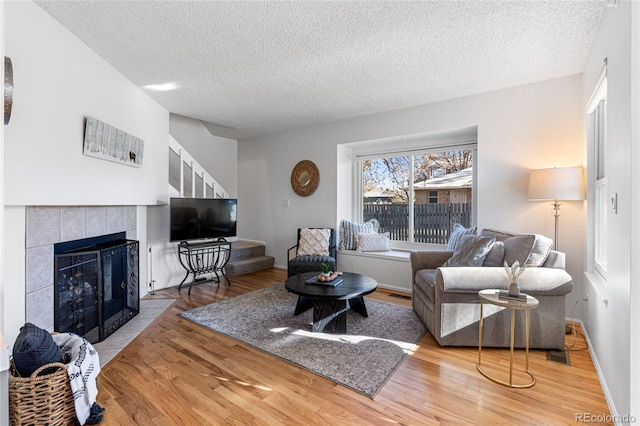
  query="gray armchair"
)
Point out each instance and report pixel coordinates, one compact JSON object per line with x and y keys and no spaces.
{"x":297,"y":264}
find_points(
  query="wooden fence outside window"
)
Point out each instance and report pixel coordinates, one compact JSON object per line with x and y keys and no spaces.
{"x":432,"y":222}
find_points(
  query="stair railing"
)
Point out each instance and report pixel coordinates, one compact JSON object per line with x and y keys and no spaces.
{"x":210,"y":187}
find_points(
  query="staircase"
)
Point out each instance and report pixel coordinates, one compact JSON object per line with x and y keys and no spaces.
{"x":246,"y":257}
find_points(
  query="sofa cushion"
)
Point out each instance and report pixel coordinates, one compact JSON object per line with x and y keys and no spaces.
{"x":308,"y":263}
{"x":314,"y":242}
{"x":535,"y":281}
{"x":495,"y":257}
{"x":528,"y":249}
{"x":457,"y":233}
{"x":471,"y":251}
{"x":349,"y":231}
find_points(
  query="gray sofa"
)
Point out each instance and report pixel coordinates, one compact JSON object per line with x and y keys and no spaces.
{"x":446,"y":297}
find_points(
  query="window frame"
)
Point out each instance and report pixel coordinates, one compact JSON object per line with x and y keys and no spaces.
{"x":359,"y":159}
{"x":598,"y":209}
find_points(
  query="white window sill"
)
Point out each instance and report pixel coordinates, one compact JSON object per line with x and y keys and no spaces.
{"x":406,"y":246}
{"x":399,"y":255}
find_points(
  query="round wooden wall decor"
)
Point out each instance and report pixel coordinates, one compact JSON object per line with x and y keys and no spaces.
{"x":8,"y":89}
{"x":305,"y":178}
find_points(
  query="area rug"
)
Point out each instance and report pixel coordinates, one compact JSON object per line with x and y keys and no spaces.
{"x":363,"y":359}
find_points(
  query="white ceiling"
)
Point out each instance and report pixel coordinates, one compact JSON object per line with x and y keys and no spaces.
{"x":264,"y":67}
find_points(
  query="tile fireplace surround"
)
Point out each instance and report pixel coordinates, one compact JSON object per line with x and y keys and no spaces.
{"x":46,"y":226}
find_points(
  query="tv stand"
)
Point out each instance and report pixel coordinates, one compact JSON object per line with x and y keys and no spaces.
{"x":204,"y":257}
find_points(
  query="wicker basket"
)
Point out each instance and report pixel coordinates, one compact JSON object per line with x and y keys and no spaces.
{"x":41,"y":400}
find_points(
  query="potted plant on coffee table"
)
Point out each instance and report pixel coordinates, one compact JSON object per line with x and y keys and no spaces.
{"x":326,"y":269}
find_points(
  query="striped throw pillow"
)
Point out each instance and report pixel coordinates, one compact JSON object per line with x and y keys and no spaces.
{"x":349,"y":231}
{"x":456,"y":234}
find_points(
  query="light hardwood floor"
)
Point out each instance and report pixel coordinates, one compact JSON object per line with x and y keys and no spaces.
{"x":178,"y":373}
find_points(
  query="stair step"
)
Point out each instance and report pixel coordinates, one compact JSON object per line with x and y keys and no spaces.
{"x":246,"y":249}
{"x":245,"y":266}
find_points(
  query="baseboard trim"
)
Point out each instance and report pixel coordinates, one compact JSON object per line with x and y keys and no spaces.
{"x":603,"y":382}
{"x":393,"y":287}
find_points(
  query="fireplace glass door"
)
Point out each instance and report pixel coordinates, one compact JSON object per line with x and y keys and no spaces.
{"x":97,"y":289}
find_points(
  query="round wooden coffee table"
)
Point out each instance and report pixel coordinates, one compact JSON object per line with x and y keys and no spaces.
{"x":330,"y":304}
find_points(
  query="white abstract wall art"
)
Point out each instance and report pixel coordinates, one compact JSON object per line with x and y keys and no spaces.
{"x":109,"y":143}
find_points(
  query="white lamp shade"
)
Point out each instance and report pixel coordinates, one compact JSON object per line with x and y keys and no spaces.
{"x":561,"y":183}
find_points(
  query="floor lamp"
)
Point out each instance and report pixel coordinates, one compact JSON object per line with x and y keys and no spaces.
{"x":560,"y":183}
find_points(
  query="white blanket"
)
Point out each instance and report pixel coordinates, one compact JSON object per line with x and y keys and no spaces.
{"x":83,"y":367}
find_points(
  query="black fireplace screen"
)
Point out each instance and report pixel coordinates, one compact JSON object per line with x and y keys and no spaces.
{"x":96,"y":289}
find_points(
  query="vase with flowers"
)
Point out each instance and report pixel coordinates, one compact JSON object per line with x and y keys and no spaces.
{"x":513,"y":272}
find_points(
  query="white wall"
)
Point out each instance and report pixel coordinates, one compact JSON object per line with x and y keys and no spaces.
{"x":344,"y":179}
{"x":264,"y":182}
{"x":608,"y":324}
{"x":58,"y":82}
{"x":391,"y":271}
{"x":519,"y":129}
{"x":219,"y":156}
{"x":634,"y":299}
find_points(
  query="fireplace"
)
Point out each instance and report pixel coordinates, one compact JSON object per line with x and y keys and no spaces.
{"x":96,"y":285}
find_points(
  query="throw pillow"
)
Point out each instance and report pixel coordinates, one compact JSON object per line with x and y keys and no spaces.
{"x":495,"y":257}
{"x":349,"y":231}
{"x":471,"y":251}
{"x":33,"y":348}
{"x":457,"y":232}
{"x":528,"y":249}
{"x":314,"y":242}
{"x":372,"y":242}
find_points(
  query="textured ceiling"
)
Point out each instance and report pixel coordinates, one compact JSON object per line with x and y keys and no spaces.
{"x":263,"y":67}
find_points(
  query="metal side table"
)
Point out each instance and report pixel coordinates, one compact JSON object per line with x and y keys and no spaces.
{"x":492,"y":297}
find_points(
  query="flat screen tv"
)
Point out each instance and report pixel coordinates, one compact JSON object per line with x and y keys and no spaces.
{"x":201,"y":218}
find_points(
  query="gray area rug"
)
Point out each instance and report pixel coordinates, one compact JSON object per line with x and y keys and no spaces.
{"x":363,"y":359}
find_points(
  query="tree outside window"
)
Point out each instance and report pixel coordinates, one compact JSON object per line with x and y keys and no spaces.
{"x":437,"y":186}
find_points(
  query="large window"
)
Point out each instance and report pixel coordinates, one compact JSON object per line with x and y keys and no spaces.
{"x":597,"y":173}
{"x":429,"y":191}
